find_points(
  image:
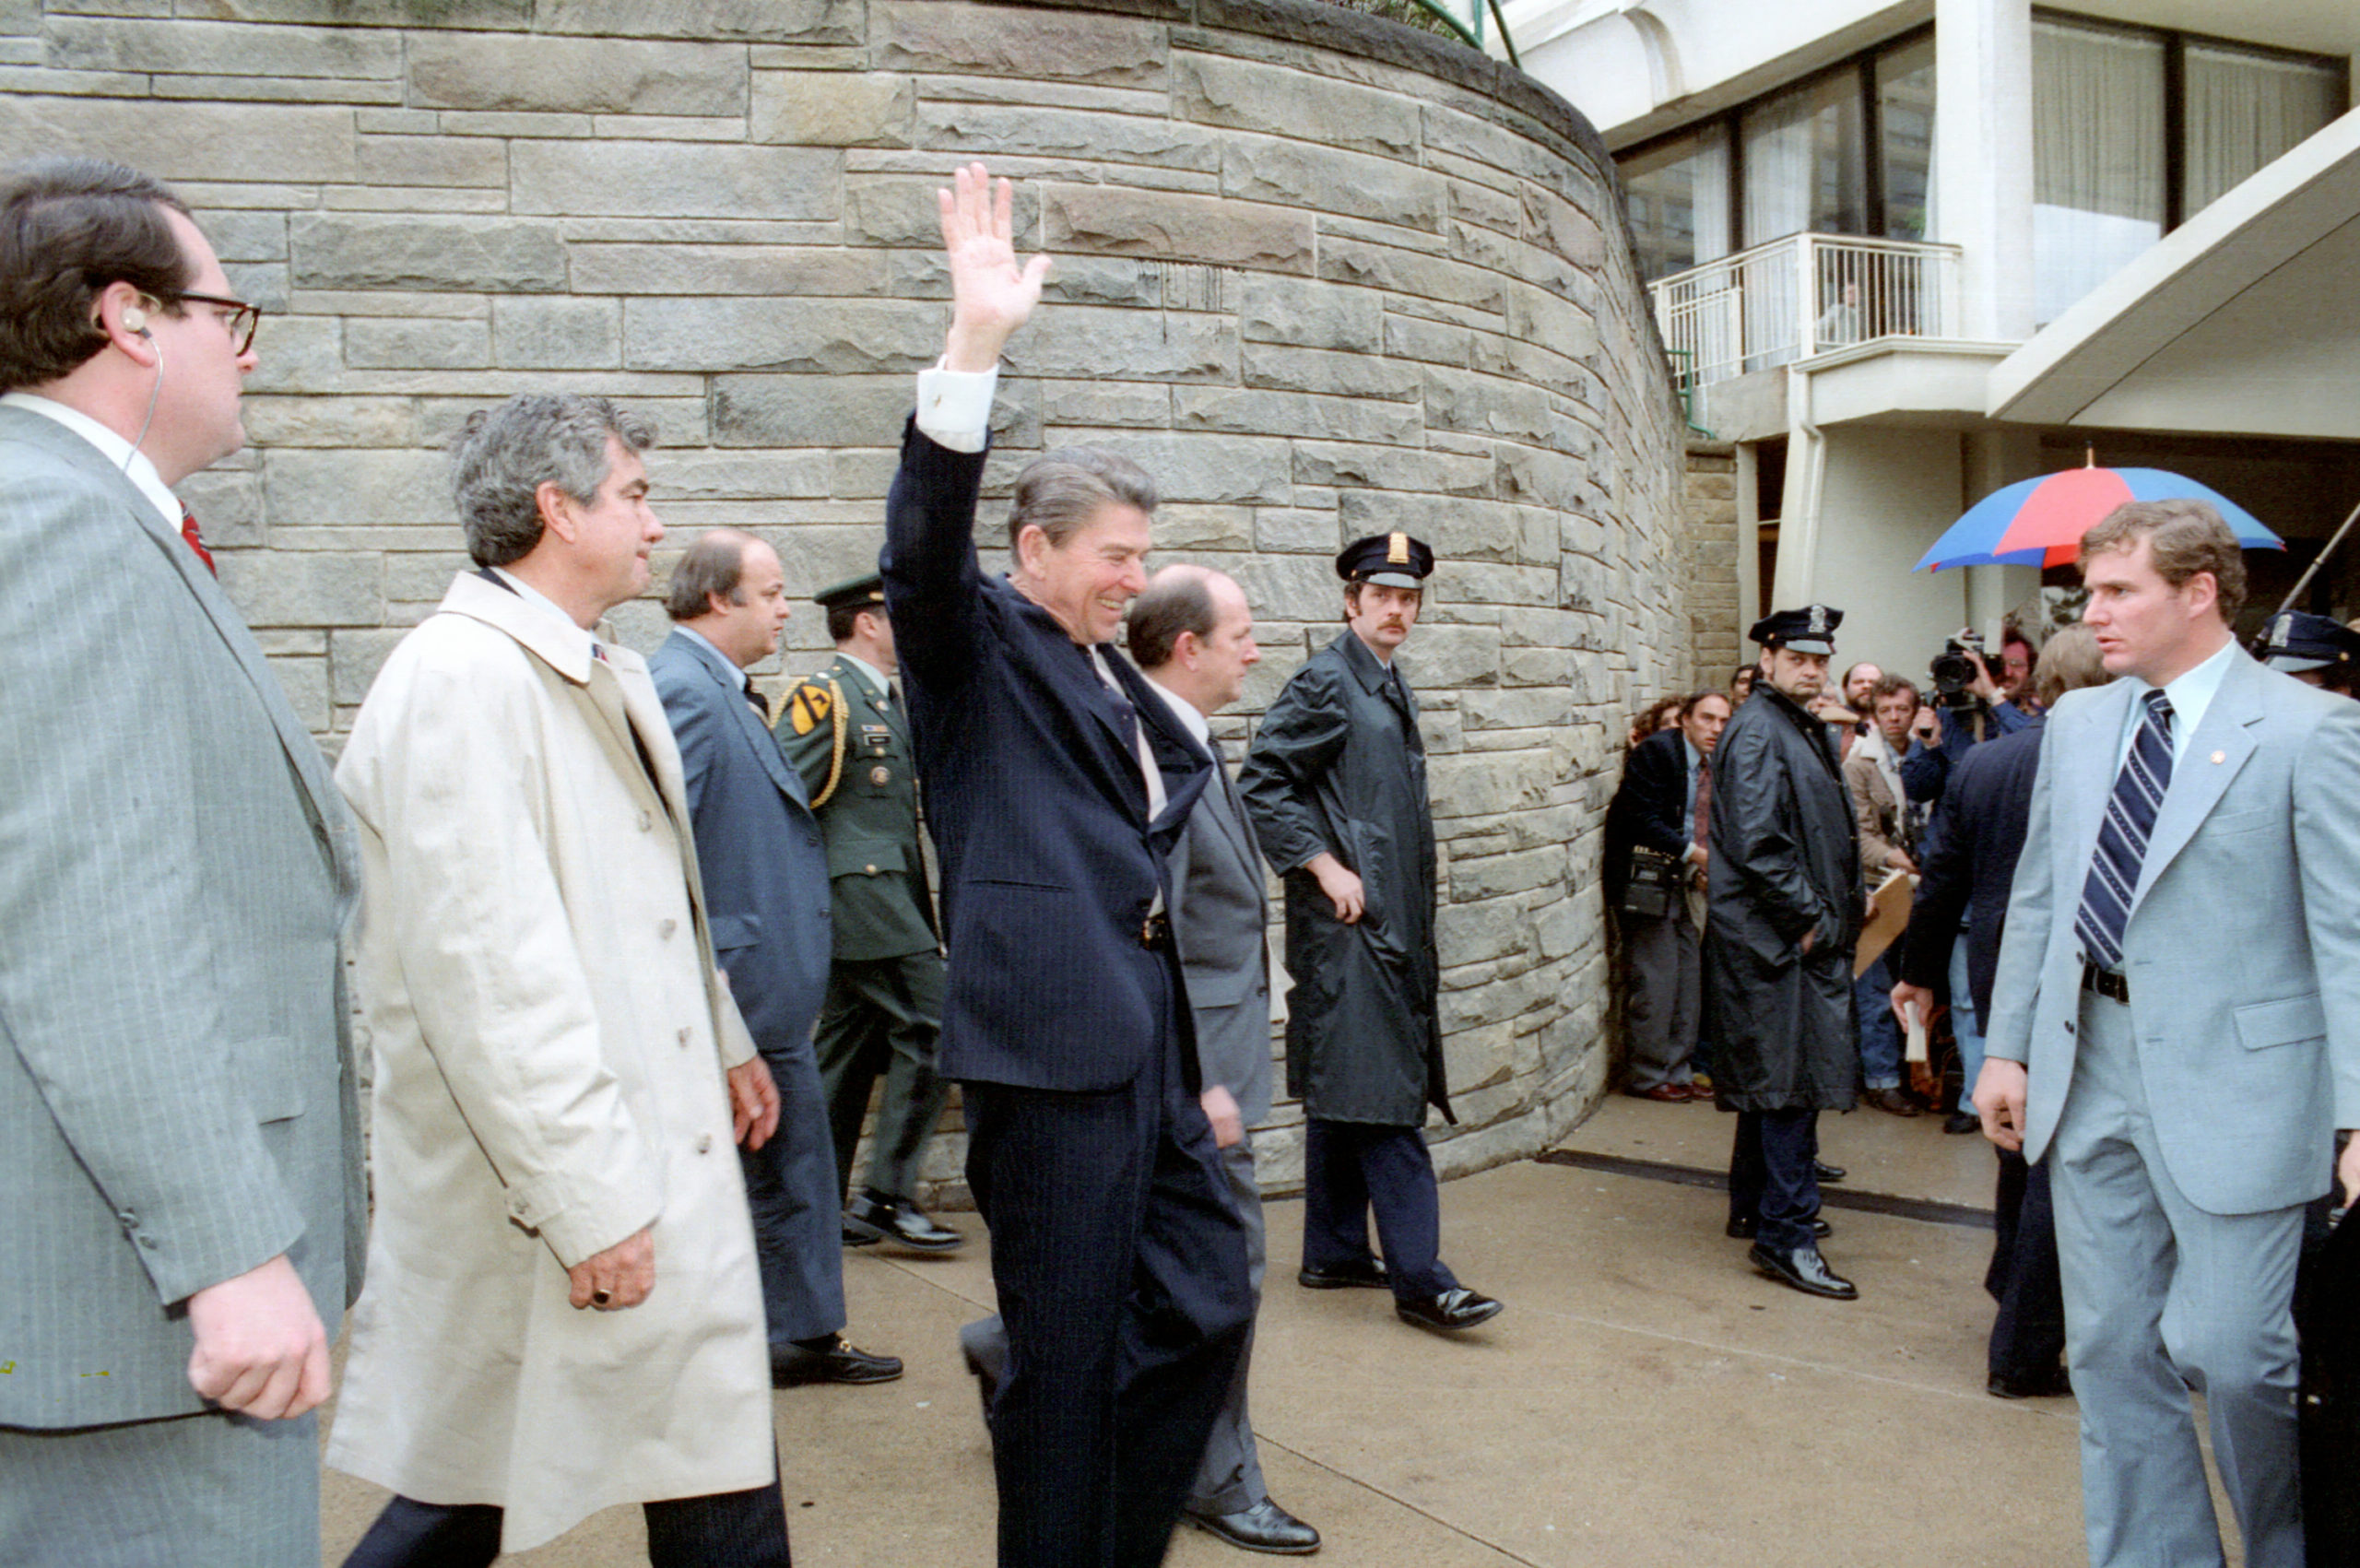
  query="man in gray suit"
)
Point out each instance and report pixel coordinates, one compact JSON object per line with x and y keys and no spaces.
{"x":185,"y":1210}
{"x":1192,"y":636}
{"x":2175,"y":1025}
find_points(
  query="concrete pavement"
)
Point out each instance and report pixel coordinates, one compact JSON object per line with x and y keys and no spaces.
{"x":1646,"y":1399}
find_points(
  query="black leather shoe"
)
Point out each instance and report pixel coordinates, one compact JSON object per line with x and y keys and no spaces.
{"x":881,"y":1218}
{"x":1890,"y":1099}
{"x":1747,"y":1228}
{"x":1366,"y":1273}
{"x":841,"y":1362}
{"x":2046,"y":1385}
{"x":1962,"y":1122}
{"x":1805,"y":1270}
{"x":858,"y":1238}
{"x":1830,"y":1174}
{"x":1266,"y":1526}
{"x":1451,"y":1311}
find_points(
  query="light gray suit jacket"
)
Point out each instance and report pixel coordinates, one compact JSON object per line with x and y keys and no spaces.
{"x":2242,"y":944}
{"x":175,"y":868}
{"x":1220,"y":915}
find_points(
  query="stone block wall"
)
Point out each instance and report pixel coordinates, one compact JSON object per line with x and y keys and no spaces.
{"x":1708,"y":507}
{"x":1323,"y":276}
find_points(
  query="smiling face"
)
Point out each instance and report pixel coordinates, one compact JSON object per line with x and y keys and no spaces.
{"x":1381,"y":615}
{"x":1088,"y":582}
{"x":2145,"y":626}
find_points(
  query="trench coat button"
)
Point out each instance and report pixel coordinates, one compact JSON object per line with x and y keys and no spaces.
{"x":666,"y":927}
{"x":2069,"y":1026}
{"x":684,"y":1034}
{"x":647,"y":822}
{"x":704,"y":1144}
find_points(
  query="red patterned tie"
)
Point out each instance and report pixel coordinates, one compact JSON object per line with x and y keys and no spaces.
{"x":197,"y":540}
{"x":1701,"y":831}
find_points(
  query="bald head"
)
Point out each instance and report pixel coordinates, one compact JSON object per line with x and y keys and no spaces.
{"x":1193,"y":632}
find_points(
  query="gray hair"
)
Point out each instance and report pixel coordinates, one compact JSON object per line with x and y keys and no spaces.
{"x":502,"y":456}
{"x":1178,"y":599}
{"x":714,"y":564}
{"x":1058,"y":493}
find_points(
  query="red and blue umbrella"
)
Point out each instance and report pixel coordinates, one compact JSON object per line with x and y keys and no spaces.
{"x":2040,"y":522}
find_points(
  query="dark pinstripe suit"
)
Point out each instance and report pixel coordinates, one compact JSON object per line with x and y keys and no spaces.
{"x":1119,"y":1262}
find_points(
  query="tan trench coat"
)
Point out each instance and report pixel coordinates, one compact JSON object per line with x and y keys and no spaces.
{"x":549,"y":1038}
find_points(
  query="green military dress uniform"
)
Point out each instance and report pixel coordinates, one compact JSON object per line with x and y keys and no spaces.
{"x":851,"y":742}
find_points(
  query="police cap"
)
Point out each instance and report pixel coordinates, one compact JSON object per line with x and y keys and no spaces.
{"x":1811,"y":629}
{"x":2298,"y":642}
{"x":1396,"y":561}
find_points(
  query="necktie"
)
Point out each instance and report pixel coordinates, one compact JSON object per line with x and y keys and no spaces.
{"x":1701,"y":816}
{"x":1150,"y":774}
{"x":197,"y":540}
{"x":756,"y":699}
{"x":2122,"y":836}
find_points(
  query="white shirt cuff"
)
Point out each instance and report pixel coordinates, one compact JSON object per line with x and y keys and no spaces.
{"x":955,"y":406}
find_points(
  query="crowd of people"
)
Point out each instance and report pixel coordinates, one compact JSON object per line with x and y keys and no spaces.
{"x":633,"y":952}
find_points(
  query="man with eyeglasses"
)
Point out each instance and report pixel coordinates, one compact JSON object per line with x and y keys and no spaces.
{"x":175,"y":1072}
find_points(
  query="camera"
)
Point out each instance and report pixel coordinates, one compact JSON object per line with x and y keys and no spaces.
{"x":1953,"y":671}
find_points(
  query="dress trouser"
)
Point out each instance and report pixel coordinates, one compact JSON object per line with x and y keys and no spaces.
{"x":797,"y":1209}
{"x":1229,"y":1478}
{"x":2029,"y":1333}
{"x":2161,"y":1297}
{"x":882,"y":1015}
{"x":1880,"y":1031}
{"x":198,"y":1489}
{"x":1772,"y":1179}
{"x":1120,"y":1267}
{"x":731,"y":1530}
{"x":1663,"y":994}
{"x":1354,"y":1169}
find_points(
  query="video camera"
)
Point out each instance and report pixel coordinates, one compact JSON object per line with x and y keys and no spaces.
{"x":1953,"y":671}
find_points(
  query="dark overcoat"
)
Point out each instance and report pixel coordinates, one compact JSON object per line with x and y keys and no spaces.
{"x":1337,"y":766}
{"x":1784,"y":862}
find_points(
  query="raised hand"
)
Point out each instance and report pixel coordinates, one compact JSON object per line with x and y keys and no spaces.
{"x":991,"y":294}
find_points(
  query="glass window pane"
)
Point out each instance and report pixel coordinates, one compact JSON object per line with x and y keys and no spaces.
{"x":2245,"y":111}
{"x":1806,"y":169}
{"x":1905,"y":107}
{"x":2098,"y":108}
{"x":1678,"y":196}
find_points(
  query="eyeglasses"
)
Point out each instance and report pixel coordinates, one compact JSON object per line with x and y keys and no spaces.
{"x":242,"y":319}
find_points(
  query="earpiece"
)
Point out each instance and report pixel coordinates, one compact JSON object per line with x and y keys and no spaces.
{"x":135,"y":320}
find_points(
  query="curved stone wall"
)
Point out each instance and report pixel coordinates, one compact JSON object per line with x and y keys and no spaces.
{"x":1322,"y":275}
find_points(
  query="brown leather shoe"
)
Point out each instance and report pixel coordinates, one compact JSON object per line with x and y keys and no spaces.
{"x":1893,"y":1100}
{"x":1663,"y":1093}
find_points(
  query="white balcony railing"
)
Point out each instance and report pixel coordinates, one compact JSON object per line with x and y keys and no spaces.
{"x":1800,"y":296}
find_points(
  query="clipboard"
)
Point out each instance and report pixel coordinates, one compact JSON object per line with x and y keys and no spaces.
{"x":1888,"y":913}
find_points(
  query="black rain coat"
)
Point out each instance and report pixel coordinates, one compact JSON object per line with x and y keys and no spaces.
{"x":1785,"y":860}
{"x":1337,"y":766}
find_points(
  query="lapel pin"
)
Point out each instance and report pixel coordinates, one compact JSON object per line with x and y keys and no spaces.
{"x":2219,"y":758}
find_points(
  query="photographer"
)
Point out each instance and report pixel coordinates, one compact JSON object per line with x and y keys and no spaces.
{"x":1970,"y":706}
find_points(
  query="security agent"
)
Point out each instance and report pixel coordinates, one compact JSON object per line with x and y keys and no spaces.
{"x":2313,"y":649}
{"x":845,"y":732}
{"x":1783,"y":916}
{"x":1337,"y":771}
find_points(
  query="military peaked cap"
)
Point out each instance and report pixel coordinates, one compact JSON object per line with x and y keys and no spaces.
{"x":858,"y":594}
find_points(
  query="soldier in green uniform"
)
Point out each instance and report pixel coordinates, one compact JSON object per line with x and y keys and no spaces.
{"x":845,"y":730}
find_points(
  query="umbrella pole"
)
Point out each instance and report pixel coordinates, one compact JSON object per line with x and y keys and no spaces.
{"x":2313,"y":570}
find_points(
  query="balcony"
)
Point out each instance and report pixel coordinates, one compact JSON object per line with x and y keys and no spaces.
{"x":1799,"y":297}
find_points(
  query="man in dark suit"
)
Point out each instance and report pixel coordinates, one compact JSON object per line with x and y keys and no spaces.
{"x":2176,"y":1029}
{"x":848,"y":738}
{"x":1971,"y":849}
{"x":1059,"y":783}
{"x":1660,"y":814}
{"x":1336,"y":783}
{"x":766,"y":884}
{"x":185,"y":1210}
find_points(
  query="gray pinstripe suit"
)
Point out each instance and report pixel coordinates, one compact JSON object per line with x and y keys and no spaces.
{"x":176,"y":1097}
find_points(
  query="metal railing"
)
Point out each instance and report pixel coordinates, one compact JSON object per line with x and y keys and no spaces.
{"x":1800,"y":296}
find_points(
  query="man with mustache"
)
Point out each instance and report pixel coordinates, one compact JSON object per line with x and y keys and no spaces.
{"x":1335,"y":785}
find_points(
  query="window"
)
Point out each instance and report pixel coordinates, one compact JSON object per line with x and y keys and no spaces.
{"x":2245,"y":110}
{"x":1904,"y":79}
{"x":1805,"y":160}
{"x":1678,"y":196}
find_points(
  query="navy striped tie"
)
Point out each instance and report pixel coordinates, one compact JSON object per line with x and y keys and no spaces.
{"x":2122,"y":836}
